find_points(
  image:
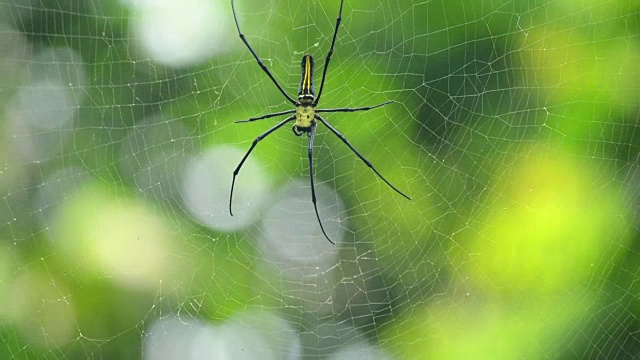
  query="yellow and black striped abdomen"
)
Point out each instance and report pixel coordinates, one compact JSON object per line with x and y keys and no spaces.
{"x":306,"y":91}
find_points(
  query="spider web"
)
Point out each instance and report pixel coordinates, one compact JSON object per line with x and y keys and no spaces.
{"x":514,"y":128}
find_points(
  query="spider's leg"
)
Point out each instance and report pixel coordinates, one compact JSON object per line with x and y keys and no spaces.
{"x":267,"y":116}
{"x":364,"y":108}
{"x":312,"y":135}
{"x":344,"y":140}
{"x":262,"y":65}
{"x":255,"y":142}
{"x":295,"y":130}
{"x":326,"y":62}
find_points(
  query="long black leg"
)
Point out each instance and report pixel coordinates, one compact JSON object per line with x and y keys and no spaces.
{"x":255,"y":142}
{"x":312,"y":135}
{"x":326,"y":62}
{"x":344,"y":140}
{"x":267,"y":116}
{"x":262,"y":65}
{"x":364,"y":108}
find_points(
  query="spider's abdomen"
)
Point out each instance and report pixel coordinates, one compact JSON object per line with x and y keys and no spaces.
{"x":306,"y":90}
{"x":305,"y":116}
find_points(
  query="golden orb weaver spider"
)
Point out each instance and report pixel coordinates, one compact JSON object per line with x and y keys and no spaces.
{"x":305,"y":113}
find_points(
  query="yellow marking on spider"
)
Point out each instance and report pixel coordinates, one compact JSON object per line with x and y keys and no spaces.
{"x":305,"y":116}
{"x":306,"y":91}
{"x":306,"y":82}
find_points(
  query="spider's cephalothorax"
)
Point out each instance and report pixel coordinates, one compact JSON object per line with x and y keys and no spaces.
{"x":305,"y":108}
{"x":305,"y":114}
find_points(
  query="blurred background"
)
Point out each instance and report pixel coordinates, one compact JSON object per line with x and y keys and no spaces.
{"x":514,"y":128}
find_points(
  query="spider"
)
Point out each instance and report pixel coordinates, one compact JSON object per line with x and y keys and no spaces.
{"x":305,"y":114}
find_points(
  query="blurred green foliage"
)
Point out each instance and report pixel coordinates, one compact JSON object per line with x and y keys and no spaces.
{"x":514,"y":129}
